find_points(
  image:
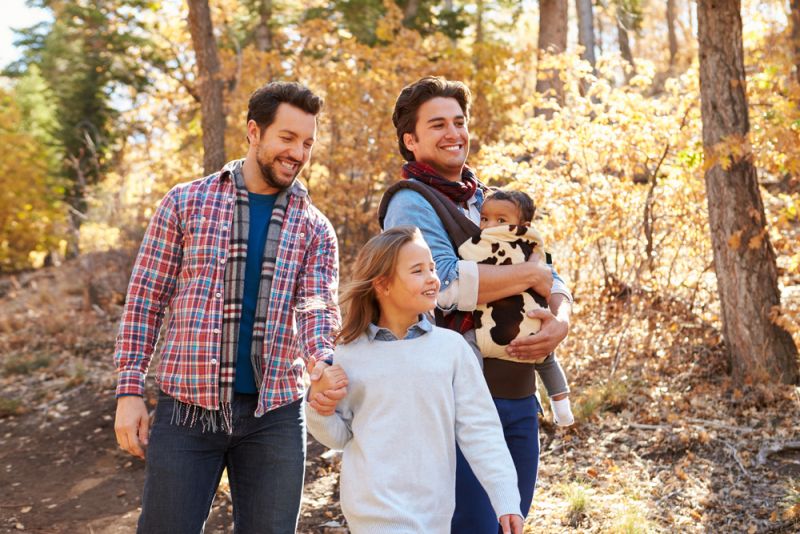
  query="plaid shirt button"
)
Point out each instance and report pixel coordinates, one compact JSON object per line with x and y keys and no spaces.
{"x":216,"y":330}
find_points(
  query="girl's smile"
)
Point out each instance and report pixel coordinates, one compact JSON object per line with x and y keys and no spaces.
{"x":414,"y":286}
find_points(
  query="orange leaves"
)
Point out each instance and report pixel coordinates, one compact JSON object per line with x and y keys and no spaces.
{"x":735,"y":240}
{"x":753,"y":243}
{"x":728,"y":152}
{"x":757,"y":240}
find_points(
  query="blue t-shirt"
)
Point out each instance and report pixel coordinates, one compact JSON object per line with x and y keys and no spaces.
{"x":260,"y":213}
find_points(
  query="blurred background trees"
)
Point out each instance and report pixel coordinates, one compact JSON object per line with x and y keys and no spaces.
{"x":594,"y":106}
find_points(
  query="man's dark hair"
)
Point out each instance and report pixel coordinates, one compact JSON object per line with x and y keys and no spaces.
{"x":264,"y":101}
{"x":520,"y":199}
{"x":413,"y":96}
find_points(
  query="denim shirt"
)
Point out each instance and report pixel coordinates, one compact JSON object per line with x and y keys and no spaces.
{"x":409,"y":207}
{"x":418,"y":329}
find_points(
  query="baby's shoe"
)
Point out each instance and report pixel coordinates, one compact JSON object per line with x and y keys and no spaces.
{"x":562,"y":413}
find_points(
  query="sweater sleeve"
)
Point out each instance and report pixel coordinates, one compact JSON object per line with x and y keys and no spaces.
{"x":552,"y":375}
{"x":480,"y":435}
{"x":333,"y":431}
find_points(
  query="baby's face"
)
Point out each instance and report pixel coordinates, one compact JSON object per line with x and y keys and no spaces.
{"x":499,"y":213}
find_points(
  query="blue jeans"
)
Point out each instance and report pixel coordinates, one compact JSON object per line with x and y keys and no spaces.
{"x":474,"y":513}
{"x":265,"y":459}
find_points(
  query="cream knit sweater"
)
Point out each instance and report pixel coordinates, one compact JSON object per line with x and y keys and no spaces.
{"x":408,"y":403}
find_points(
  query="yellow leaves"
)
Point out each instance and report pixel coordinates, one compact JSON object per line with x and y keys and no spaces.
{"x":729,"y":151}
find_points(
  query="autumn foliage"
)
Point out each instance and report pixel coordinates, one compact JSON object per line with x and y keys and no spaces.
{"x":616,"y":172}
{"x":615,"y":164}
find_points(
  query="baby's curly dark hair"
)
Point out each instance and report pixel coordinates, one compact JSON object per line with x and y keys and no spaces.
{"x":520,"y":199}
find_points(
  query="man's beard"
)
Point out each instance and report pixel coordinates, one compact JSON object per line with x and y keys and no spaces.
{"x":272,"y":179}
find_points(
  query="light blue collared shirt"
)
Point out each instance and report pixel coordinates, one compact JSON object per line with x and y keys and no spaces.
{"x":459,"y":278}
{"x":420,"y":328}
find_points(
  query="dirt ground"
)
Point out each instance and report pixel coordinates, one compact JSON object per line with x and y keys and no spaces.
{"x":63,"y":473}
{"x":662,"y":442}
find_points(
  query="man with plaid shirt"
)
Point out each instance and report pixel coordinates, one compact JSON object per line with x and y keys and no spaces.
{"x":249,"y":271}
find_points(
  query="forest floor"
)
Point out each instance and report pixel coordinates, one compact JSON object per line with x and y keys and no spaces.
{"x":663,"y":443}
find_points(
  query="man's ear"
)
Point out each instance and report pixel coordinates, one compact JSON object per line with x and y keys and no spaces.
{"x":253,"y":133}
{"x":410,"y":140}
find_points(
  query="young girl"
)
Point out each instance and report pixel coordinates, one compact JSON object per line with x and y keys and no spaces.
{"x":415,"y":390}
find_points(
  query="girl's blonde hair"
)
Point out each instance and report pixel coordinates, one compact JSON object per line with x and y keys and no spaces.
{"x":375,"y":261}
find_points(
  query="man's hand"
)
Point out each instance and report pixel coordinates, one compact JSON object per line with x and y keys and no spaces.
{"x":324,"y":376}
{"x":542,"y":274}
{"x":315,"y":369}
{"x":511,"y":524}
{"x":132,"y":425}
{"x":328,"y":386}
{"x":539,"y":345}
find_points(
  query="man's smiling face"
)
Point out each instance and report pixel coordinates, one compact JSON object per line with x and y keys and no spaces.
{"x":284,"y":147}
{"x":441,"y":137}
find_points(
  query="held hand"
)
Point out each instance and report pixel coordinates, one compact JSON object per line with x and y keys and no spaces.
{"x":328,"y":386}
{"x":324,"y":402}
{"x":315,"y":369}
{"x":539,"y":345}
{"x":511,"y":524}
{"x":331,"y":377}
{"x":132,"y":425}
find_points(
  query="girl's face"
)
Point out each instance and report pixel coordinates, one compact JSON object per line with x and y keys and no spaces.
{"x":414,"y":286}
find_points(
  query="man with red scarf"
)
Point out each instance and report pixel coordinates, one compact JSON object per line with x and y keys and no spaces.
{"x":431,"y":118}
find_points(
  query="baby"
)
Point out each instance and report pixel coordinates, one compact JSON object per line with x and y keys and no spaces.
{"x":507,"y":237}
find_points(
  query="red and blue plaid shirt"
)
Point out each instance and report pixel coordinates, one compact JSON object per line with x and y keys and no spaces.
{"x":181,"y":266}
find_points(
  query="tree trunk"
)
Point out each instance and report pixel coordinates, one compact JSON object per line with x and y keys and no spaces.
{"x":673,"y":39}
{"x":624,"y":44}
{"x":552,"y":40}
{"x":410,"y":12}
{"x":744,"y":260}
{"x":211,"y":85}
{"x":796,"y":36}
{"x":479,"y":22}
{"x":263,"y":31}
{"x":586,"y":29}
{"x":598,"y":23}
